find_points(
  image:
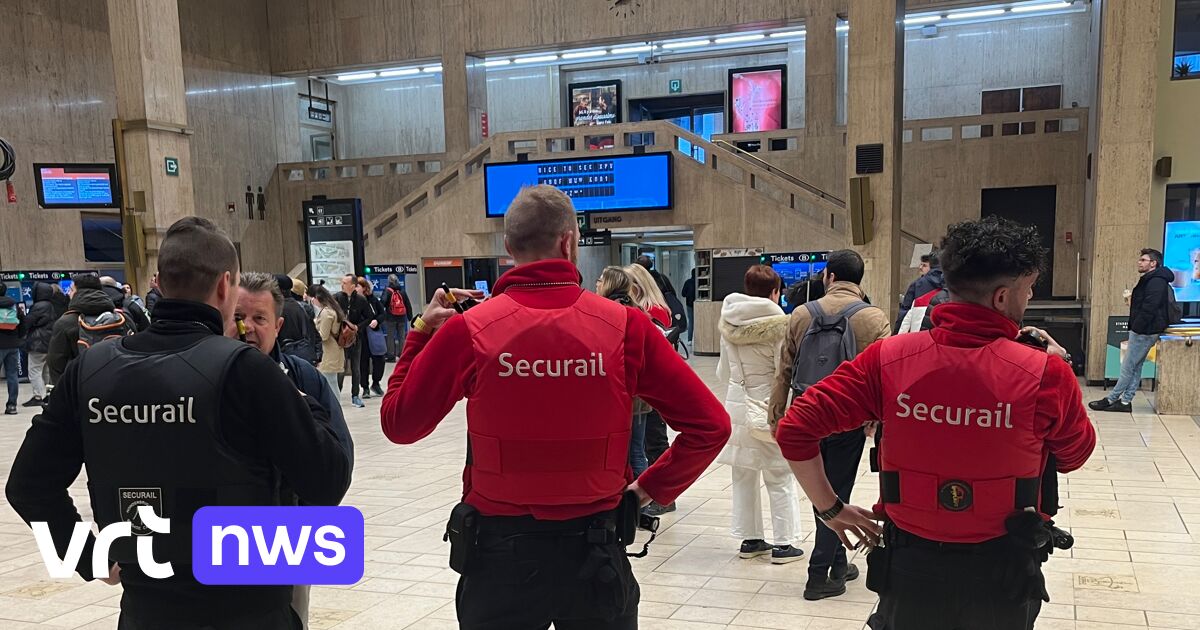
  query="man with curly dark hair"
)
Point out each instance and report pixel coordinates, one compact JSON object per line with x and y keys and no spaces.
{"x":970,"y":417}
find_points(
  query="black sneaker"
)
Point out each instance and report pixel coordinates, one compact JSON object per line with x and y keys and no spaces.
{"x":784,"y":554}
{"x":658,"y":509}
{"x":366,"y":394}
{"x":831,"y":587}
{"x":10,"y":409}
{"x":377,"y":390}
{"x":754,"y":548}
{"x":851,"y":573}
{"x":1100,"y":405}
{"x":33,"y":402}
{"x":1120,"y":407}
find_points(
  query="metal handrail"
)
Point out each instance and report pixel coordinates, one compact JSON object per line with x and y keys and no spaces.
{"x":744,"y":154}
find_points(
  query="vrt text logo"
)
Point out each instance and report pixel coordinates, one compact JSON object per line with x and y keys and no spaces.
{"x":65,"y":567}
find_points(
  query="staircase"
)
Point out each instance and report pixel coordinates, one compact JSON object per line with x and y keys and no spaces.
{"x":768,"y":185}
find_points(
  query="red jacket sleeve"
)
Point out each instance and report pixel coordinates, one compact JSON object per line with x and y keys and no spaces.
{"x":839,"y":402}
{"x":431,"y":375}
{"x":1069,"y":432}
{"x":661,"y":377}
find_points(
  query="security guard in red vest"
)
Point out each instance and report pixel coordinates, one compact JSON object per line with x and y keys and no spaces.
{"x":970,"y":417}
{"x":549,"y":372}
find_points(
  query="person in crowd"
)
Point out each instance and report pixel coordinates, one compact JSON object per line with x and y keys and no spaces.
{"x":1148,"y":319}
{"x":931,"y":279}
{"x":300,"y":294}
{"x":920,"y":316}
{"x":648,"y":296}
{"x":130,"y":296}
{"x":533,"y":476}
{"x":689,"y":299}
{"x":752,"y":328}
{"x":969,"y":418}
{"x":375,"y":348}
{"x":329,"y":320}
{"x":116,"y":292}
{"x":246,"y":425}
{"x":298,"y":337}
{"x":828,"y":567}
{"x":59,"y":301}
{"x":39,"y":324}
{"x":153,"y":295}
{"x":12,"y":337}
{"x":260,"y":308}
{"x":358,"y":313}
{"x":399,"y":309}
{"x":616,"y":285}
{"x":802,"y":292}
{"x":663,"y":282}
{"x":88,"y":299}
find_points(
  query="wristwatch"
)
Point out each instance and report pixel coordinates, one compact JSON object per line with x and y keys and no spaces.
{"x":831,"y":513}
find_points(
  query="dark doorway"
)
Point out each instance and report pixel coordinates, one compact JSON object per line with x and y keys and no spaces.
{"x":701,"y":114}
{"x":1030,"y":205}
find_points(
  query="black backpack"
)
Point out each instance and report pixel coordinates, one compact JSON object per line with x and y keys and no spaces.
{"x":1174,"y":310}
{"x":94,"y":329}
{"x":828,"y":342}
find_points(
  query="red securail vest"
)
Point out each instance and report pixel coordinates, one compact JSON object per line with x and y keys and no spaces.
{"x":960,"y":451}
{"x":549,"y":413}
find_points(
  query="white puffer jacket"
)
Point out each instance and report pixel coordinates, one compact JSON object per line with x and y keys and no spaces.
{"x":752,"y":332}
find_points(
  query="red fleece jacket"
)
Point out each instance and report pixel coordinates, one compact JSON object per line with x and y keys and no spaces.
{"x":852,"y":394}
{"x":435,"y":372}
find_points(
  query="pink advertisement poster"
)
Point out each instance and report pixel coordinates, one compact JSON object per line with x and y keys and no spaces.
{"x":756,"y":100}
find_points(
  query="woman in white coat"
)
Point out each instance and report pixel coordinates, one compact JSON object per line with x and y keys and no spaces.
{"x":753,"y":327}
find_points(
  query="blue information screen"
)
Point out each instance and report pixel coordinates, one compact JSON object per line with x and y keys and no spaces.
{"x":75,"y":186}
{"x":609,"y":184}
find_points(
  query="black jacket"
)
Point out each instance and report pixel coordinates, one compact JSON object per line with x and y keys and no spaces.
{"x":262,"y":417}
{"x":152,"y":298}
{"x":14,"y":338}
{"x":932,"y":281}
{"x":358,"y":310}
{"x":136,"y":313}
{"x":64,"y":337}
{"x":39,"y":323}
{"x":387,"y":303}
{"x":689,"y":291}
{"x":1148,"y":304}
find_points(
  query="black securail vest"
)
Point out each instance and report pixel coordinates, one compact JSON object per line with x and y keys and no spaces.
{"x":151,"y":437}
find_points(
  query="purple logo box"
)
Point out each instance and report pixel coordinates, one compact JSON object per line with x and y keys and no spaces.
{"x":259,"y":545}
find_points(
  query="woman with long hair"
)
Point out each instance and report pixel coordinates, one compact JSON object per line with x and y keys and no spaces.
{"x":753,"y":327}
{"x":648,"y":297}
{"x":329,"y":318}
{"x":375,"y":349}
{"x":615,"y":284}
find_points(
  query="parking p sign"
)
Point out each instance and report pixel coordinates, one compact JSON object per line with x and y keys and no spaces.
{"x":172,"y":166}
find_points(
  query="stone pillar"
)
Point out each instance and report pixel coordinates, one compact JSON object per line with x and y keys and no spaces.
{"x":875,"y":111}
{"x":151,"y":107}
{"x":464,"y":84}
{"x":820,"y":68}
{"x":1123,"y":166}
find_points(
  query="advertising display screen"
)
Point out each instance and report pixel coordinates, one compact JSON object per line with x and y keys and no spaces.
{"x":757,"y":99}
{"x":1181,"y":254}
{"x":609,"y":184}
{"x":76,"y":185}
{"x":595,"y":103}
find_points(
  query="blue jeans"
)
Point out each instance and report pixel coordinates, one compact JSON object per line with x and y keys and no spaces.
{"x":1131,"y":367}
{"x":10,"y":358}
{"x":637,"y":446}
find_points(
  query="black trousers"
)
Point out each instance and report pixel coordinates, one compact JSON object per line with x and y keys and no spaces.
{"x":656,"y":436}
{"x":931,"y":589}
{"x":529,"y":582}
{"x":282,"y":619}
{"x":370,"y":368}
{"x":353,"y":366}
{"x":841,"y":453}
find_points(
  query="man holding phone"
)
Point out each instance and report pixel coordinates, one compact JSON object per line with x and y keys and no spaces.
{"x":549,"y":372}
{"x":969,"y":416}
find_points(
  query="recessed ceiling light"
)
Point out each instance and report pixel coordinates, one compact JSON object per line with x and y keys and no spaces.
{"x":584,"y":54}
{"x":686,"y":44}
{"x":432,"y":69}
{"x":402,"y":72}
{"x":799,"y":33}
{"x":629,"y":50}
{"x":733,"y":39}
{"x":922,"y":19}
{"x":492,"y":63}
{"x":536,"y":59}
{"x":1053,"y":6}
{"x":966,"y":15}
{"x":843,"y":28}
{"x":357,"y":76}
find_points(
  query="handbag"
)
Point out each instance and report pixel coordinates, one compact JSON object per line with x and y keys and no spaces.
{"x":348,"y":335}
{"x":376,"y":342}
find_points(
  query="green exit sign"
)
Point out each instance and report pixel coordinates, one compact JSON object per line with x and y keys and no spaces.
{"x":676,"y":86}
{"x":172,"y":166}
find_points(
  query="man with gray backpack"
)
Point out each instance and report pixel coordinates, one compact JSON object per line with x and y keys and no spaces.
{"x":821,"y":336}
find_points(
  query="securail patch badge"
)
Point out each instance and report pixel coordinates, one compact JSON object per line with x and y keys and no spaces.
{"x":131,"y":499}
{"x":955,"y":495}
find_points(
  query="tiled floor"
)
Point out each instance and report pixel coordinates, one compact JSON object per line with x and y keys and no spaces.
{"x":1134,"y":510}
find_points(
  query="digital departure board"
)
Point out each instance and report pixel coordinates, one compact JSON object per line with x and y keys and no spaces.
{"x":611,"y":184}
{"x":76,"y":185}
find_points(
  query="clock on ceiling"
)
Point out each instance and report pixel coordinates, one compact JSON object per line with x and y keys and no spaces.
{"x":623,"y":8}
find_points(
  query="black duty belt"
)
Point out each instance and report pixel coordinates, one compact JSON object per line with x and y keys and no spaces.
{"x":896,"y":537}
{"x":958,"y":495}
{"x":599,"y":528}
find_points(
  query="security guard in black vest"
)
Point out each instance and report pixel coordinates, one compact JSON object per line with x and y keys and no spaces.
{"x":177,"y":418}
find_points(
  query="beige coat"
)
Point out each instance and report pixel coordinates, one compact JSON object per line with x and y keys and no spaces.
{"x":869,"y":325}
{"x":333,"y":358}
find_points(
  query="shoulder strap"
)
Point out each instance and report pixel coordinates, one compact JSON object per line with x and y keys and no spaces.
{"x":814,"y":309}
{"x":853,"y":308}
